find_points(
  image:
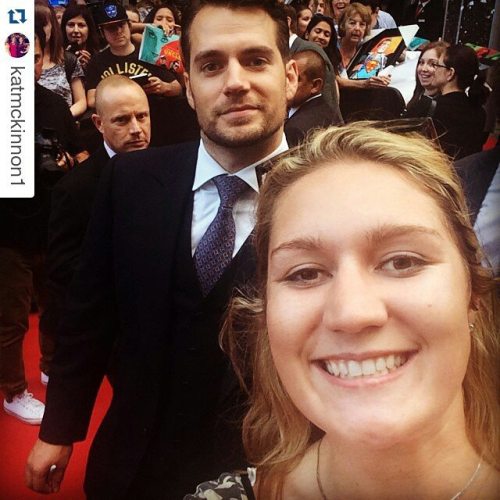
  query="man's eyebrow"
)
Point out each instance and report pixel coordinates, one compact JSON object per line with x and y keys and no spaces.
{"x":254,"y":50}
{"x":207,"y":54}
{"x":119,"y":117}
{"x":390,"y":231}
{"x":259,"y":50}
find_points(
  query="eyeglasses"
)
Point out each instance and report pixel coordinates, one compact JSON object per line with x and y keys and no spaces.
{"x":437,"y":65}
{"x":432,"y":64}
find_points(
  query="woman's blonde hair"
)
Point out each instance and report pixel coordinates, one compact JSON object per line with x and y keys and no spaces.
{"x":275,"y":433}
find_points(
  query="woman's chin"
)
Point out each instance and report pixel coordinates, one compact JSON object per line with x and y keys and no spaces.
{"x":378,"y":435}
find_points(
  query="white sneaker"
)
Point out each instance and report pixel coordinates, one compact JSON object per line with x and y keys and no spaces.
{"x":44,"y":378}
{"x":26,"y":408}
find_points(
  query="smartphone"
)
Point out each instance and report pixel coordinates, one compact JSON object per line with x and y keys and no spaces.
{"x":73,"y":47}
{"x":142,"y":79}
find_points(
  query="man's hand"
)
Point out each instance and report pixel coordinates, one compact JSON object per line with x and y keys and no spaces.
{"x":46,"y":466}
{"x":159,"y":87}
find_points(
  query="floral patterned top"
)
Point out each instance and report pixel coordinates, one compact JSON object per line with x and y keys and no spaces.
{"x":54,"y":79}
{"x":229,"y":486}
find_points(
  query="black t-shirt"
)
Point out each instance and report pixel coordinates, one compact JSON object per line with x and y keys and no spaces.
{"x":106,"y":64}
{"x":172,"y":120}
{"x":459,"y":124}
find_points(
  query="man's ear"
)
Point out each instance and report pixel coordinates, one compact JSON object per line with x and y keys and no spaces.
{"x":317,"y":86}
{"x":96,"y":119}
{"x":292,"y":79}
{"x":452,"y":74}
{"x":189,"y":93}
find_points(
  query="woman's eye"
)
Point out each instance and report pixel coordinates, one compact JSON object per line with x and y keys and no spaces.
{"x":403,"y":263}
{"x":307,"y":276}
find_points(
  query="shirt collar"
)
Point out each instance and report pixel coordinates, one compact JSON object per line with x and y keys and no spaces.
{"x":110,"y":152}
{"x":207,"y":168}
{"x":292,"y":111}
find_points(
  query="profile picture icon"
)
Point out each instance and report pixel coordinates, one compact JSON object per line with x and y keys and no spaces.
{"x":17,"y":45}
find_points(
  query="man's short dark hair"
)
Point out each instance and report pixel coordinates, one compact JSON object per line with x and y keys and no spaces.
{"x":291,"y":13}
{"x":373,"y":4}
{"x":272,"y":7}
{"x":315,"y":67}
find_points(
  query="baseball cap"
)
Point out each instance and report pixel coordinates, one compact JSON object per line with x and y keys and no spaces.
{"x":110,"y":12}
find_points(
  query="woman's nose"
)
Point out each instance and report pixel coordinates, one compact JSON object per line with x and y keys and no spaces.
{"x":354,"y":302}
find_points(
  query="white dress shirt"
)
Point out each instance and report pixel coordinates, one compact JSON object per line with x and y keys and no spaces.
{"x":110,"y":152}
{"x":207,"y":200}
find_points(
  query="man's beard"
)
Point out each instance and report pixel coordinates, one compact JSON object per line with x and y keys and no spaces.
{"x":232,"y":138}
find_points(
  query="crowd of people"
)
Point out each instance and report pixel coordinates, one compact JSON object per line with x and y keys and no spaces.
{"x":301,"y":307}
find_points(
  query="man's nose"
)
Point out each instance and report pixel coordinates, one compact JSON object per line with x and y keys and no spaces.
{"x":235,"y":78}
{"x":134,"y":126}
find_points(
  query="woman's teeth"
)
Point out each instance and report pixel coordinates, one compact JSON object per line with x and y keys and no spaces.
{"x":348,"y":368}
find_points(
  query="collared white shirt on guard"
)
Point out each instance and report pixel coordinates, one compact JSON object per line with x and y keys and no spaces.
{"x":207,"y":201}
{"x":110,"y":152}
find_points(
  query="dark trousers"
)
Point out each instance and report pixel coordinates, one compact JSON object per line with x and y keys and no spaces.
{"x":22,"y":277}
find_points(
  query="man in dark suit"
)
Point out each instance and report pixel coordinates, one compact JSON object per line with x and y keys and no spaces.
{"x":428,"y":14}
{"x":297,"y":45}
{"x":122,"y":117}
{"x":308,"y":109}
{"x":166,"y":246}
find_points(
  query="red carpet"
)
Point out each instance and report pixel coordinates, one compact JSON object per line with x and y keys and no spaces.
{"x":17,"y":438}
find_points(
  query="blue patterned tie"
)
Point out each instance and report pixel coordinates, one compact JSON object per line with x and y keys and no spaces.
{"x":215,"y":249}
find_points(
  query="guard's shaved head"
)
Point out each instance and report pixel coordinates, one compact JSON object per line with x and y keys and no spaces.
{"x":113,"y":83}
{"x":122,"y":114}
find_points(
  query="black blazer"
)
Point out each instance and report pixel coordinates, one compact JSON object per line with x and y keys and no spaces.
{"x":312,"y":114}
{"x":72,"y":201}
{"x":123,"y":284}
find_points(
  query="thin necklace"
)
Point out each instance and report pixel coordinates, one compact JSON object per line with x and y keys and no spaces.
{"x":454,"y":497}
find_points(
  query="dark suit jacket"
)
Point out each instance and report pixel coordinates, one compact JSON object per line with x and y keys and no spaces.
{"x":124,"y":284}
{"x":430,"y":19}
{"x":329,"y":88}
{"x":312,"y":114}
{"x":72,"y":201}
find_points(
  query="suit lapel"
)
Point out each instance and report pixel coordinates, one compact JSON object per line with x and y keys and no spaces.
{"x":168,"y":178}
